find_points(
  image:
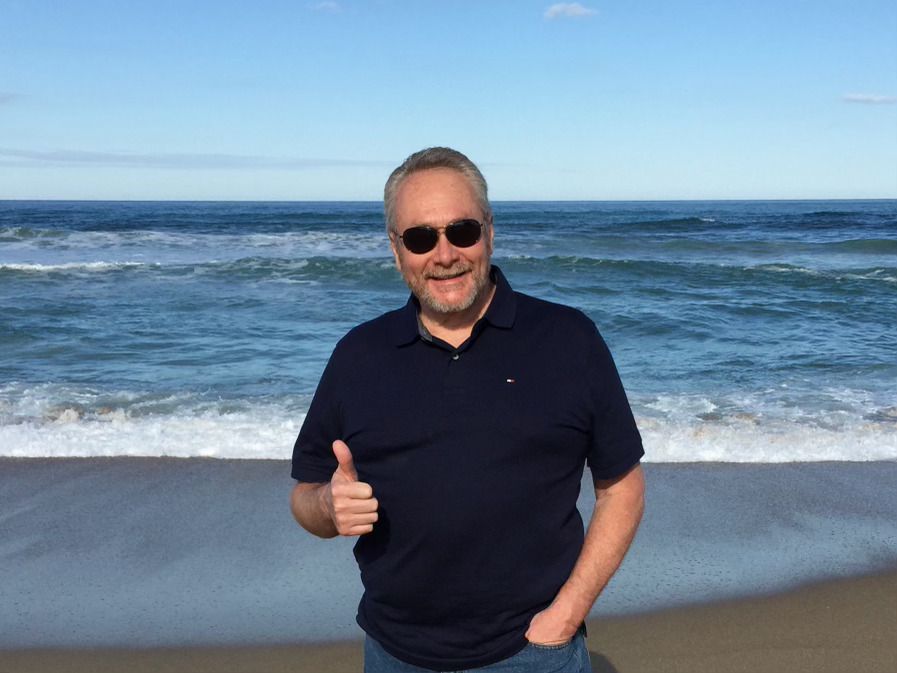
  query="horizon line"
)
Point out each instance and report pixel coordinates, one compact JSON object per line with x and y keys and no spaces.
{"x":492,"y":201}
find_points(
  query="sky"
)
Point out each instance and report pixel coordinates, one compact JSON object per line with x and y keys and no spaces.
{"x":320,"y":100}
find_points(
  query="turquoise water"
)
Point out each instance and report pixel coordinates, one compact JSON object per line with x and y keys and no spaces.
{"x":743,"y":331}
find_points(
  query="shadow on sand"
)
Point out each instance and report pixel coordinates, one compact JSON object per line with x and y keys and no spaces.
{"x":601,"y":664}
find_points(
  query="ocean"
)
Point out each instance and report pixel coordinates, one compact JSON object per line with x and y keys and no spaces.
{"x":157,"y":360}
{"x":744,"y":331}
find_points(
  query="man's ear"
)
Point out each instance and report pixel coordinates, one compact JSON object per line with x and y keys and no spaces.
{"x":490,"y":236}
{"x":395,"y":250}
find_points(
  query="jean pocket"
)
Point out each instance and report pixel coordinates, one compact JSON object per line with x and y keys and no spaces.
{"x":551,"y":648}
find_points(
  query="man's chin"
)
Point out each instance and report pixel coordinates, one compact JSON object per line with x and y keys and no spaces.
{"x":445,"y":307}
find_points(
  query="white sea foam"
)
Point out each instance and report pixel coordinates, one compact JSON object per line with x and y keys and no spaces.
{"x":168,"y":245}
{"x":52,"y":420}
{"x":267,"y":431}
{"x":214,"y":435}
{"x":785,"y":424}
{"x":769,"y":426}
{"x":877,"y":274}
{"x":71,"y":266}
{"x":748,"y":441}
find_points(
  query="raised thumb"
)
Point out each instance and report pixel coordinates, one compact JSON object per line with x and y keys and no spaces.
{"x":344,"y":458}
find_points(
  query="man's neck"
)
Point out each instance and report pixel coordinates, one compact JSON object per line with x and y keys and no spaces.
{"x":456,"y":328}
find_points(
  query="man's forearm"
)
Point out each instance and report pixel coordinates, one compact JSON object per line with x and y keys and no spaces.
{"x":310,"y":511}
{"x":618,"y":511}
{"x":617,"y":514}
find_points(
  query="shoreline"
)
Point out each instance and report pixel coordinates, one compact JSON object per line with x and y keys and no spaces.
{"x":829,"y":627}
{"x":197,"y":564}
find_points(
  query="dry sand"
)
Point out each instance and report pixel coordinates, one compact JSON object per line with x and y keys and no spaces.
{"x":847,"y":626}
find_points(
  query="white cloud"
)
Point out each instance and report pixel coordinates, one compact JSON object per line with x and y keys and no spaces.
{"x":872,"y":98}
{"x":25,"y":158}
{"x":326,"y":6}
{"x":568,"y":9}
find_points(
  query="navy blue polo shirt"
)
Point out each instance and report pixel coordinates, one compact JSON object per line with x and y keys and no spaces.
{"x":476,"y":457}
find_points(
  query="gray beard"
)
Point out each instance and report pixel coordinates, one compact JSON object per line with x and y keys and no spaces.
{"x":436,"y":306}
{"x":446,"y":309}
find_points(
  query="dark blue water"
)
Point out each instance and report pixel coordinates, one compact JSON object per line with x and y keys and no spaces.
{"x":744,"y":331}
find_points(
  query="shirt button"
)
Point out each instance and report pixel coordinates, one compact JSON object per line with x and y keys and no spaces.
{"x":455,"y":356}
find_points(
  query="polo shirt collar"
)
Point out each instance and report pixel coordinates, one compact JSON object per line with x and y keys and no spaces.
{"x":503,"y":309}
{"x":501,"y":312}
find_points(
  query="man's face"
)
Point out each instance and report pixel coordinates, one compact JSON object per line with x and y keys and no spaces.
{"x":446,"y":279}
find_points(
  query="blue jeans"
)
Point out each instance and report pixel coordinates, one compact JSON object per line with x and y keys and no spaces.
{"x":570,"y":658}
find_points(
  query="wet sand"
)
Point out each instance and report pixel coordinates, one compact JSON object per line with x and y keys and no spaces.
{"x":835,"y":627}
{"x":159,"y":564}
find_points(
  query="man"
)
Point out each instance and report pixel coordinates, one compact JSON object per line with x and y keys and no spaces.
{"x":451,"y":435}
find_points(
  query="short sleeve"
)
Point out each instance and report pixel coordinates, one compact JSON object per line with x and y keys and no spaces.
{"x":313,"y":459}
{"x":616,"y":445}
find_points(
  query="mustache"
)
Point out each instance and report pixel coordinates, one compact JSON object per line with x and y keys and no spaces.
{"x":452,"y":272}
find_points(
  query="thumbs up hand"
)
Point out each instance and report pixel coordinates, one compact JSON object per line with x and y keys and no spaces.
{"x":351,"y":503}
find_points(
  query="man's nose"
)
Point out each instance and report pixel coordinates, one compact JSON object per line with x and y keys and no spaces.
{"x":445,"y":253}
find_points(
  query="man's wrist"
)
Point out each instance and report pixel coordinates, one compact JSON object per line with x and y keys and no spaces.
{"x":325,"y":504}
{"x":569,"y":611}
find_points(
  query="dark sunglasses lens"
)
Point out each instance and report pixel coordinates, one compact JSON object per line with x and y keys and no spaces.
{"x":420,"y":239}
{"x":463,"y":233}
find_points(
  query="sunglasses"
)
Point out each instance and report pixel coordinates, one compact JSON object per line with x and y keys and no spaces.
{"x":461,"y":234}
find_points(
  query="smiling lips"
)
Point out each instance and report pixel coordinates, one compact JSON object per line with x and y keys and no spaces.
{"x":450,"y":274}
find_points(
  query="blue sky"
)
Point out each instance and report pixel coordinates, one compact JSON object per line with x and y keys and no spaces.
{"x":294,"y":100}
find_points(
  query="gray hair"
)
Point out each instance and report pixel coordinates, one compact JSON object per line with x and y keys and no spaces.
{"x":435,"y":157}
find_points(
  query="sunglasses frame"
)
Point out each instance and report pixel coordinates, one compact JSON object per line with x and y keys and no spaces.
{"x":446,"y":231}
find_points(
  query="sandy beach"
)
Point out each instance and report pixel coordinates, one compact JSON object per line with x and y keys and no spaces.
{"x":835,"y":627}
{"x":196,"y":565}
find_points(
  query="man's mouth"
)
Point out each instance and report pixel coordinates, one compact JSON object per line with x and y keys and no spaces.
{"x":451,"y":275}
